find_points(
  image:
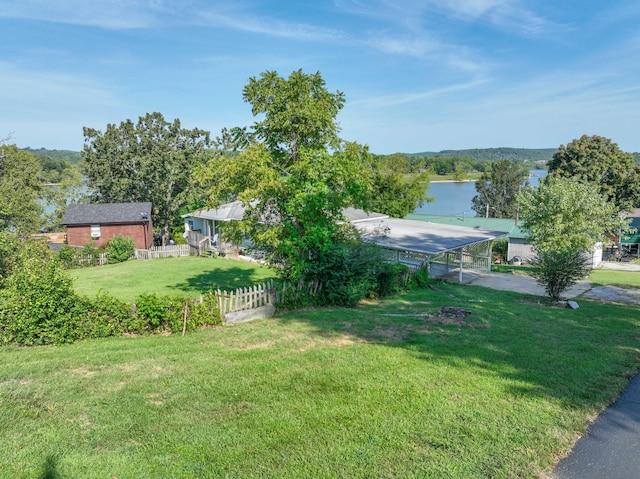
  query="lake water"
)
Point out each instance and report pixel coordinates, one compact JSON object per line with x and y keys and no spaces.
{"x":454,"y":198}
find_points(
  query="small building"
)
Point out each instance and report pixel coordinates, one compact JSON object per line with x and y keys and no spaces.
{"x":630,"y":239}
{"x":519,"y":247}
{"x":104,"y":221}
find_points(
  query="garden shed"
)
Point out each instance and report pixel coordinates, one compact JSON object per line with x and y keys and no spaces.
{"x":103,"y":221}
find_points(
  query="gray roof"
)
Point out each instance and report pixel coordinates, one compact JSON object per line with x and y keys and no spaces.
{"x":235,"y":211}
{"x":107,"y":213}
{"x":405,"y":235}
{"x":423,"y":237}
{"x":227,"y":212}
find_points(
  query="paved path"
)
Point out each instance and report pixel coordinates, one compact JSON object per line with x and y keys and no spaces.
{"x":611,"y":449}
{"x":521,"y":283}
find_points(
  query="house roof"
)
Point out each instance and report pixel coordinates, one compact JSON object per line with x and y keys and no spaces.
{"x":107,"y":213}
{"x":507,"y":225}
{"x":227,"y":212}
{"x":235,"y":211}
{"x":423,"y":237}
{"x":401,"y":234}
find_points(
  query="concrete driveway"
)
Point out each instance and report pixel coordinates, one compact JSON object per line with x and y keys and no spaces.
{"x":521,"y":283}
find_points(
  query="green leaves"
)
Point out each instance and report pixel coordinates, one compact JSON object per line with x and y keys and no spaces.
{"x":566,"y":214}
{"x":153,"y":160}
{"x":498,"y":190}
{"x":20,"y":190}
{"x":558,"y":270}
{"x":597,"y":160}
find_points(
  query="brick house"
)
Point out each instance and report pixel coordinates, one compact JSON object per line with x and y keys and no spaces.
{"x":101,"y":222}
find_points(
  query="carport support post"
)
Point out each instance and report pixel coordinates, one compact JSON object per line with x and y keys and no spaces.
{"x":460,"y":272}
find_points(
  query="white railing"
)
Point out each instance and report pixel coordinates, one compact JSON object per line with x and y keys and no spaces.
{"x":246,"y":298}
{"x":163,"y":251}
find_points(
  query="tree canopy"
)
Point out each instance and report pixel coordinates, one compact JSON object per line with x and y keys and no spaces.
{"x":566,"y":214}
{"x":393,"y":192}
{"x":152,"y":160}
{"x":498,"y":190}
{"x":20,"y":190}
{"x":598,"y":160}
{"x":295,"y":176}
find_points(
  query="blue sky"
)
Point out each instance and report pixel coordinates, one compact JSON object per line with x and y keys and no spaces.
{"x":418,"y":75}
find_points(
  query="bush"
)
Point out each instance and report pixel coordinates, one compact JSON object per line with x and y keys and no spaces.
{"x":68,"y":256}
{"x":557,"y":271}
{"x":9,"y":245}
{"x":120,"y":249}
{"x":204,"y":313}
{"x":391,"y":279}
{"x":40,"y":305}
{"x":348,"y":273}
{"x":421,"y":278}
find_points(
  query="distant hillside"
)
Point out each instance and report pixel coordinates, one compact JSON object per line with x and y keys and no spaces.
{"x":67,"y":155}
{"x":494,"y":154}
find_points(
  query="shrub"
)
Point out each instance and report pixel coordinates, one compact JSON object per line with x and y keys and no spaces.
{"x":204,"y":313}
{"x":40,"y":305}
{"x":92,"y":251}
{"x":119,"y":249}
{"x":154,"y":313}
{"x":391,"y":279}
{"x":107,"y":316}
{"x":68,"y":256}
{"x":421,"y":278}
{"x":9,"y":245}
{"x":348,"y":274}
{"x":557,"y":271}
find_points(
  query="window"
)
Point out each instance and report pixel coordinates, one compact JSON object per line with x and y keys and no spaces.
{"x":95,"y":231}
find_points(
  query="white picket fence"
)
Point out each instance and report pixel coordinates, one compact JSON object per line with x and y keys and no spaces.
{"x":89,"y":260}
{"x":246,"y":298}
{"x":168,"y":251}
{"x":242,"y":299}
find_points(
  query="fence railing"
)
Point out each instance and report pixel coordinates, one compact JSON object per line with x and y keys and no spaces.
{"x":90,"y":260}
{"x":163,"y":251}
{"x":256,"y":296}
{"x":243,"y":299}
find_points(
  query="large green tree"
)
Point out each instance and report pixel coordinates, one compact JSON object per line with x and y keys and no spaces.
{"x":567,"y":214}
{"x":394,"y":192}
{"x":564,"y":219}
{"x":151,"y":160}
{"x":498,"y":190}
{"x":598,"y":160}
{"x":296,"y":176}
{"x":20,"y":190}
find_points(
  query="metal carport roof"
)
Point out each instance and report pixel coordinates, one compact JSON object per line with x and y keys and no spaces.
{"x":423,"y":237}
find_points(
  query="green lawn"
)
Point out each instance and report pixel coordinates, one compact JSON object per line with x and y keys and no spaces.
{"x":189,"y":276}
{"x":623,"y":279}
{"x":387,"y":389}
{"x":597,"y":277}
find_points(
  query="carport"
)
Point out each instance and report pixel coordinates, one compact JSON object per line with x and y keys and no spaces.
{"x":416,"y":243}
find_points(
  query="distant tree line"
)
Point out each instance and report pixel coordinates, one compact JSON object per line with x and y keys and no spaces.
{"x":496,"y":154}
{"x":448,"y":165}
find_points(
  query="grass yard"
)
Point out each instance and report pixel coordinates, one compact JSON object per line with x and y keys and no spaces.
{"x":597,"y":277}
{"x":388,"y":389}
{"x":622,"y":279}
{"x":186,"y":276}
